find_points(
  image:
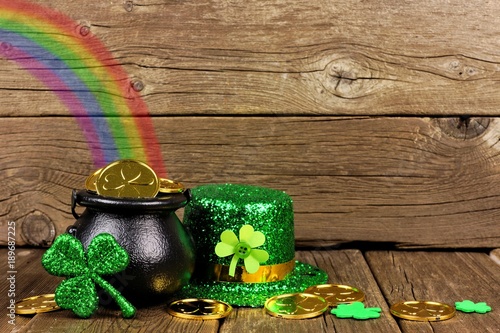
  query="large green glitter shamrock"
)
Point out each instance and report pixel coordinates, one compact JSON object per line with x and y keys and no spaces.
{"x":469,"y":306}
{"x":244,"y":248}
{"x":66,"y":257}
{"x":356,"y":310}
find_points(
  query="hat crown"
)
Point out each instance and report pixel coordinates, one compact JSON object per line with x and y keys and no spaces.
{"x":223,"y":220}
{"x":216,"y":208}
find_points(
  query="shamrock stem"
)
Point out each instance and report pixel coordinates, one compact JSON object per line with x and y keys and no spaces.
{"x":128,"y":310}
{"x":232,"y":266}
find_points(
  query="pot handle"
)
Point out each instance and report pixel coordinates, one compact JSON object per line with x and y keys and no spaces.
{"x":74,"y":199}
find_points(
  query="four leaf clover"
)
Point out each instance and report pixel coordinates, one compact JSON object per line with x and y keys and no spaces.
{"x":469,"y":306}
{"x":356,"y":310}
{"x":66,"y":257}
{"x":244,"y":248}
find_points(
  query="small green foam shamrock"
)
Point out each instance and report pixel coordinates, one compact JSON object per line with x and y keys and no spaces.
{"x":244,"y":248}
{"x":66,"y":257}
{"x":469,"y":306}
{"x":356,"y":310}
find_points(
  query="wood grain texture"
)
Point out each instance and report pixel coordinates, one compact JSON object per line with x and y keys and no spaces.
{"x":151,"y":319}
{"x":30,"y":280}
{"x":289,"y":57}
{"x":372,"y":179}
{"x":446,"y":277}
{"x":386,"y":277}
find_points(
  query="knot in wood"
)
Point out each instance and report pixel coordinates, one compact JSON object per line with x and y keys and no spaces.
{"x":348,"y":78}
{"x":137,"y":85}
{"x":83,"y":28}
{"x":463,"y":127}
{"x":463,"y":69}
{"x":38,"y":230}
{"x":5,"y":47}
{"x":128,"y":5}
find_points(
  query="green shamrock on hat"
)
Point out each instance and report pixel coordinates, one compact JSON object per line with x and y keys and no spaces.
{"x":356,"y":310}
{"x":242,"y":248}
{"x":104,"y":256}
{"x":469,"y":306}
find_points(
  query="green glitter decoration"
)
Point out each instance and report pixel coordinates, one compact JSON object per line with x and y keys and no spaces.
{"x":216,"y":208}
{"x":66,"y":257}
{"x":255,"y":294}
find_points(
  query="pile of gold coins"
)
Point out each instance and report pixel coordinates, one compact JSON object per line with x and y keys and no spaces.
{"x":130,"y":179}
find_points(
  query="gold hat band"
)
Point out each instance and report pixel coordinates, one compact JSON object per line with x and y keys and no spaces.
{"x":269,"y":273}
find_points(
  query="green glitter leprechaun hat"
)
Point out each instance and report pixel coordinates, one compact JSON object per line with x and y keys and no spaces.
{"x":245,"y":245}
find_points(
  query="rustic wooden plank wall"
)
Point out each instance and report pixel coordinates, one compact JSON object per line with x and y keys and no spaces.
{"x":379,"y":118}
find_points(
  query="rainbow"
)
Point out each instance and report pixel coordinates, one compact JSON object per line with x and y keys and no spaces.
{"x":76,"y":66}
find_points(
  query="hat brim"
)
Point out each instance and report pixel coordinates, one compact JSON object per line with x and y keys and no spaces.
{"x":255,"y":294}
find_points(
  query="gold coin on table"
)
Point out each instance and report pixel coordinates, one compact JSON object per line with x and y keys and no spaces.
{"x":296,"y":306}
{"x":201,"y":309}
{"x":423,"y":310}
{"x":170,"y":186}
{"x":90,"y":183}
{"x":336,"y":294}
{"x":127,"y":179}
{"x":37,"y":304}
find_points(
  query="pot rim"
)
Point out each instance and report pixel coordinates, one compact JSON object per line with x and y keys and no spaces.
{"x":170,"y":202}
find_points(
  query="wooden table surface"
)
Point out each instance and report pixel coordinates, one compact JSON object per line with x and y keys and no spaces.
{"x":386,"y":277}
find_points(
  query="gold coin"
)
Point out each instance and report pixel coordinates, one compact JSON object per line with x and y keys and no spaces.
{"x":90,"y":183}
{"x":336,"y":294}
{"x":296,"y":306}
{"x":423,"y":310}
{"x":201,"y":309}
{"x":37,"y":304}
{"x":127,"y":179}
{"x":170,"y":186}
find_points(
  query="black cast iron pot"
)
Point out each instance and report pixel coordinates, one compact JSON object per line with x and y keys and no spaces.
{"x":160,"y":249}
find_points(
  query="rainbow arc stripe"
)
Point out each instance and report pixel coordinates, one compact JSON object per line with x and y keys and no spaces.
{"x":85,"y":77}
